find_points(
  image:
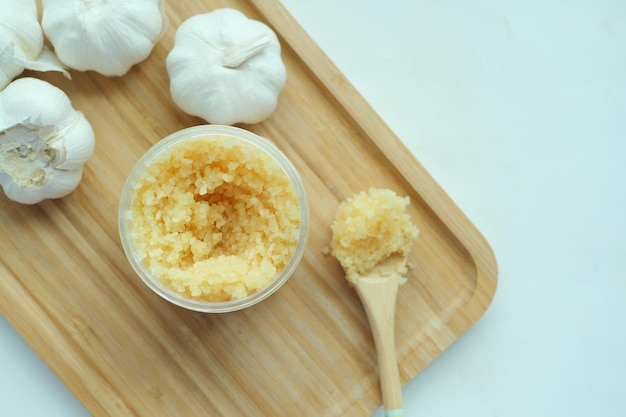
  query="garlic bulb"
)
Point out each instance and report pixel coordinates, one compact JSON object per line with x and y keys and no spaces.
{"x":106,"y":36}
{"x":44,"y":142}
{"x":226,"y":68}
{"x":21,"y":41}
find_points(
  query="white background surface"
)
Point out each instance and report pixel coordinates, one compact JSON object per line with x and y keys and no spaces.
{"x":518,"y":109}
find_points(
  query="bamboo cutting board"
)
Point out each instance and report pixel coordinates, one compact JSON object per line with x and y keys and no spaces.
{"x":307,"y":350}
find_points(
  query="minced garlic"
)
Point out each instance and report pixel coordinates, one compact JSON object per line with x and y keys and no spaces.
{"x":214,"y":218}
{"x":368,"y":228}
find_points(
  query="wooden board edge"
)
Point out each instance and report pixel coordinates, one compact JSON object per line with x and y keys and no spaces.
{"x":331,"y":78}
{"x":64,"y":358}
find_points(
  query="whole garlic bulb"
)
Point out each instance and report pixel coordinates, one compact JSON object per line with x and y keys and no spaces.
{"x":226,"y":68}
{"x":21,"y":41}
{"x":106,"y":36}
{"x":44,"y":142}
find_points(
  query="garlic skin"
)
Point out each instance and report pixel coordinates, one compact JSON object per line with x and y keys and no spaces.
{"x":44,"y":142}
{"x":106,"y":36}
{"x":226,"y":68}
{"x":22,"y":42}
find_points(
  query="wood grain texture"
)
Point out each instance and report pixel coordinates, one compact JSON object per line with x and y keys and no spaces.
{"x":307,"y":350}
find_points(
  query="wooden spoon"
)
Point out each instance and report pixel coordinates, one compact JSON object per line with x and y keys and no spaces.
{"x":377,"y":290}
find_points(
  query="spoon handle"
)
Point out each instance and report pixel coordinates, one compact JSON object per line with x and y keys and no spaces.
{"x":378,"y":297}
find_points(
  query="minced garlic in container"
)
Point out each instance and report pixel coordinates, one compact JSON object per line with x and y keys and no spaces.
{"x":368,"y":228}
{"x":214,"y":218}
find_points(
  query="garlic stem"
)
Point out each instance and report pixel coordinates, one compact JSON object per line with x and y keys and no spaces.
{"x":236,"y":55}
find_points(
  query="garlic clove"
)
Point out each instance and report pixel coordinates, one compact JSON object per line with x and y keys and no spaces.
{"x":8,"y":68}
{"x":33,"y":101}
{"x":21,"y":42}
{"x":74,"y":138}
{"x":106,"y":36}
{"x":59,"y":184}
{"x":226,"y":68}
{"x":46,"y":61}
{"x":44,"y":141}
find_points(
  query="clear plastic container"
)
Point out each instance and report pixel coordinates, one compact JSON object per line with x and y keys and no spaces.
{"x":165,"y":145}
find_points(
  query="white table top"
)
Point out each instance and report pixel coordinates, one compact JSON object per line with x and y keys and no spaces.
{"x":518,"y":109}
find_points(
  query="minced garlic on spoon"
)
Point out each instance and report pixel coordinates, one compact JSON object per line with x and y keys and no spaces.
{"x":372,"y":235}
{"x":370,"y":227}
